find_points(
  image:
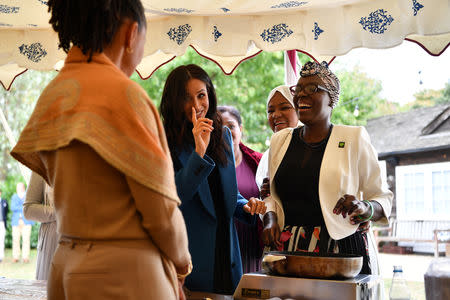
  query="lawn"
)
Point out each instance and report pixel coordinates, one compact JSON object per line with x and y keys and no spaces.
{"x":417,"y":289}
{"x":18,"y":270}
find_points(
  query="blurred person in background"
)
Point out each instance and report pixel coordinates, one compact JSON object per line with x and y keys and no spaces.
{"x":39,"y":206}
{"x":246,"y":162}
{"x":21,"y":227}
{"x":280,"y":114}
{"x":3,"y":224}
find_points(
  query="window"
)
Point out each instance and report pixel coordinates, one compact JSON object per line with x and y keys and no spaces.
{"x":414,"y":193}
{"x":441,"y":192}
{"x":423,"y":191}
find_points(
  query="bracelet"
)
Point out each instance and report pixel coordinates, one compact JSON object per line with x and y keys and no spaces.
{"x":371,"y":212}
{"x":189,"y":271}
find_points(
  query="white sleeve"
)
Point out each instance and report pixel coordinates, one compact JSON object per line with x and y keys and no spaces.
{"x":263,"y":169}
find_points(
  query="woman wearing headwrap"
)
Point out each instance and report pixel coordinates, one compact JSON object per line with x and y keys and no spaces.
{"x":280,"y":115}
{"x":96,"y":138}
{"x":324,"y":178}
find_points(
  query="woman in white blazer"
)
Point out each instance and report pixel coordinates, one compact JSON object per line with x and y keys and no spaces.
{"x":324,"y":178}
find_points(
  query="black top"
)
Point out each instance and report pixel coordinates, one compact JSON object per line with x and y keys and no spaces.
{"x":222,"y":260}
{"x":297,"y":181}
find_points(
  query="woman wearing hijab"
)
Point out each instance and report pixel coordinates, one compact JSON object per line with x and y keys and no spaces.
{"x":324,"y":178}
{"x":39,"y":206}
{"x":246,"y":162}
{"x":202,"y":152}
{"x":97,"y":139}
{"x":280,"y":115}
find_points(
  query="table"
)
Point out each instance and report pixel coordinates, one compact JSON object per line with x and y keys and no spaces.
{"x":14,"y":289}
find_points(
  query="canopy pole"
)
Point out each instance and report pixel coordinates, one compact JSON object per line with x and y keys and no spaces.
{"x":23,"y":170}
{"x":290,"y":67}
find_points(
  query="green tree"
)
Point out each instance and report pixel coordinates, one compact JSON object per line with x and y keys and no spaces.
{"x":445,"y":98}
{"x":360,"y":99}
{"x":248,"y":87}
{"x":425,"y":98}
{"x":429,"y":97}
{"x":17,"y":105}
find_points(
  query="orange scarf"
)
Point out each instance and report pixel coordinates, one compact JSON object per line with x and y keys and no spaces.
{"x":97,"y":104}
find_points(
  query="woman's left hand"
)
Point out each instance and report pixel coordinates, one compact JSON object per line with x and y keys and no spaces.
{"x":348,"y":205}
{"x":364,"y":227}
{"x":255,"y":206}
{"x":265,"y":188}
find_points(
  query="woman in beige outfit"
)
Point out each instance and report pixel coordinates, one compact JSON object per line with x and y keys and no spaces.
{"x":97,"y":139}
{"x":38,"y":206}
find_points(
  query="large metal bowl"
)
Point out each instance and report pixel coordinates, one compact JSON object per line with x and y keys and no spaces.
{"x":307,"y":264}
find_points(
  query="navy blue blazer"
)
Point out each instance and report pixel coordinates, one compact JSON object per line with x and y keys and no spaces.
{"x":4,"y":210}
{"x":197,"y":206}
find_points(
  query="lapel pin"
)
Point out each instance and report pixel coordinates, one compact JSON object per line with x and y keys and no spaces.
{"x":341,"y":144}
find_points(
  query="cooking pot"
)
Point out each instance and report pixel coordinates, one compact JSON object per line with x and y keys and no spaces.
{"x":309,"y":264}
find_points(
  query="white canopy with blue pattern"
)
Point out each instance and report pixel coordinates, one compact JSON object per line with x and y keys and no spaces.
{"x":228,"y":31}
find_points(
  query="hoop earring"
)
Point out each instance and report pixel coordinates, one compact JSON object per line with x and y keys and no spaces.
{"x":129,"y":50}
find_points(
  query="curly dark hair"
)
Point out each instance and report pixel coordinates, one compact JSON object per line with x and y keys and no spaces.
{"x":177,"y":126}
{"x":92,"y":24}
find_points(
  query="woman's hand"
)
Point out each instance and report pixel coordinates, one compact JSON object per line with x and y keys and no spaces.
{"x":348,"y":205}
{"x":265,"y":188}
{"x":271,"y":231}
{"x":255,"y":206}
{"x":202,"y":133}
{"x":364,"y":227}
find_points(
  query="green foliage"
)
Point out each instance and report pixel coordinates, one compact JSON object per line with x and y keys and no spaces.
{"x":8,"y":187}
{"x":428,"y":97}
{"x":445,"y":98}
{"x":359,"y":99}
{"x":248,"y":87}
{"x":17,"y":105}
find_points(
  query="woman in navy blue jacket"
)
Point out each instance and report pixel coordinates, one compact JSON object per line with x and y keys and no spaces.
{"x":202,"y":153}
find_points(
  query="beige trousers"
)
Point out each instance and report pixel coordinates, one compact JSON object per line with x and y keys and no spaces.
{"x":83,"y":270}
{"x":17,"y":231}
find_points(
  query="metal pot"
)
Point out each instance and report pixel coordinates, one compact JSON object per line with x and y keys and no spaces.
{"x":308,"y":264}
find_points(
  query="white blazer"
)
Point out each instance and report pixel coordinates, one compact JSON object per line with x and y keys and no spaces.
{"x":349,"y":166}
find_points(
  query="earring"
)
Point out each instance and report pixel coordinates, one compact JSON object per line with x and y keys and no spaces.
{"x":129,"y":50}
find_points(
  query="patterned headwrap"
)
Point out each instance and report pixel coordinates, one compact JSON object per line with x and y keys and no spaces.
{"x":328,"y":78}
